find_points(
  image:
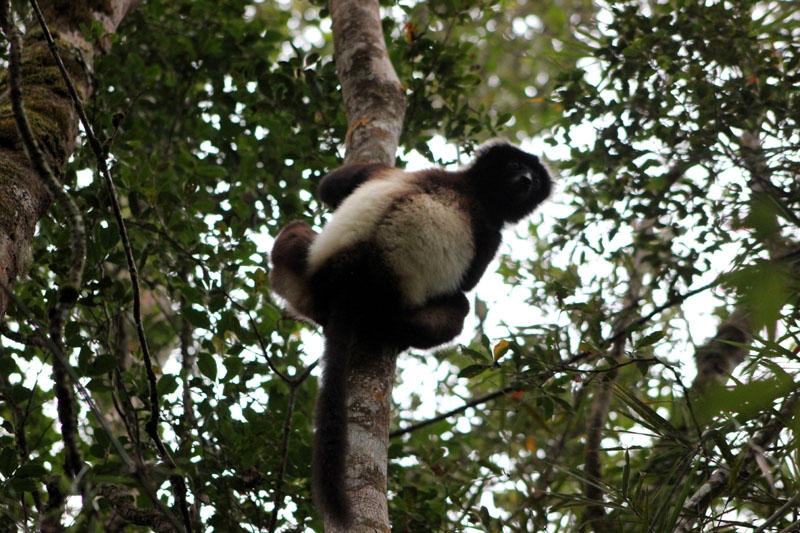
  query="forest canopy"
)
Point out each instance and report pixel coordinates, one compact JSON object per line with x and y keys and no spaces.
{"x":632,"y":365}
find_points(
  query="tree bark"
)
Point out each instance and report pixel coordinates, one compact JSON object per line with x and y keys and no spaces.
{"x":369,"y":403}
{"x":23,"y":198}
{"x":375,"y":106}
{"x":373,"y":97}
{"x":36,"y":104}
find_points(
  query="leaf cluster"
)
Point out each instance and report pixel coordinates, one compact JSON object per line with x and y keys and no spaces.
{"x":220,"y":118}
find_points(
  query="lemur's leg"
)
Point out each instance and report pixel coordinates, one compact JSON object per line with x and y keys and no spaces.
{"x":288,"y":275}
{"x":437,"y":322}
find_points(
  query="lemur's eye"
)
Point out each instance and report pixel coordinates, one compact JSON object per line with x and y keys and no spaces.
{"x":513,"y":165}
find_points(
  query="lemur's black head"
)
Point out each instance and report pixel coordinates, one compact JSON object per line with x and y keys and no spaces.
{"x":510,"y":182}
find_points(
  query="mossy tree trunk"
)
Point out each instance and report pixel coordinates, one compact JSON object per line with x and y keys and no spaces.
{"x":51,"y":113}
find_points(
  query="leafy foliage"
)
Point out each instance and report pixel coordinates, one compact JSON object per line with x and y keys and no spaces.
{"x":676,"y":125}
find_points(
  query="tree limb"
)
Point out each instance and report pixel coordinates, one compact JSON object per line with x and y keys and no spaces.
{"x":717,"y":482}
{"x":373,"y":97}
{"x":68,"y":295}
{"x":375,"y":106}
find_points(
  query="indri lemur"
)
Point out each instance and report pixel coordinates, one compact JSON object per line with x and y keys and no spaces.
{"x":392,"y":266}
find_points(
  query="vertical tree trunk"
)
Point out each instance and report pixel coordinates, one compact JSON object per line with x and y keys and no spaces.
{"x":43,"y":108}
{"x":369,"y":402}
{"x":23,"y":199}
{"x":373,"y":98}
{"x":375,"y":106}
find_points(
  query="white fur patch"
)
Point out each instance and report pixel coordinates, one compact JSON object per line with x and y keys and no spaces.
{"x":429,"y":245}
{"x":427,"y":241}
{"x":356,"y":218}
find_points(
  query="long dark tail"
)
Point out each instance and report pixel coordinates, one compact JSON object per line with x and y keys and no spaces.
{"x":330,"y":421}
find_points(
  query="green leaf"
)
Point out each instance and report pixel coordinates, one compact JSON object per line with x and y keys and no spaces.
{"x":207,"y":365}
{"x":8,"y":461}
{"x":649,"y":339}
{"x":102,"y":364}
{"x":475,"y":355}
{"x":167,"y":384}
{"x":765,"y":288}
{"x":23,"y":484}
{"x":648,"y":416}
{"x":626,"y":473}
{"x":473,"y":370}
{"x":108,"y":236}
{"x":198,"y":319}
{"x":233,"y":367}
{"x":745,"y":400}
{"x":18,"y":393}
{"x":31,"y":470}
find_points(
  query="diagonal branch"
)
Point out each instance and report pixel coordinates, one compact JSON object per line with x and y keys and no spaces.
{"x":718,"y":481}
{"x":136,"y":468}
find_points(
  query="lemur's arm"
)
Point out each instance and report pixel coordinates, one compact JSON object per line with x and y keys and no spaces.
{"x":340,"y":183}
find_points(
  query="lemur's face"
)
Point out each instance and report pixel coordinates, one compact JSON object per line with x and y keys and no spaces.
{"x":511,"y":182}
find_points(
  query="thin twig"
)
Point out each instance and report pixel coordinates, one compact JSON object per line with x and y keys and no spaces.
{"x":293,"y":381}
{"x":152,"y":424}
{"x":279,"y":482}
{"x":136,"y":469}
{"x":26,"y":340}
{"x":458,"y":410}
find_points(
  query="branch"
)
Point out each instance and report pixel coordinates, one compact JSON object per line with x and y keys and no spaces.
{"x":134,"y":467}
{"x":373,"y":97}
{"x":69,"y":292}
{"x":457,"y":411}
{"x":279,"y":482}
{"x":718,"y":357}
{"x":121,"y":502}
{"x":19,"y":418}
{"x":718,"y":482}
{"x":672,"y":302}
{"x":593,"y":490}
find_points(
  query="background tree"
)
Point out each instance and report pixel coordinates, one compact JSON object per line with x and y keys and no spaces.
{"x":674,"y":234}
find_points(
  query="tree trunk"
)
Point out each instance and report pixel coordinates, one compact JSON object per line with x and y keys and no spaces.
{"x":373,"y":98}
{"x":369,"y":402}
{"x":23,"y":198}
{"x":36,"y":104}
{"x":375,"y":106}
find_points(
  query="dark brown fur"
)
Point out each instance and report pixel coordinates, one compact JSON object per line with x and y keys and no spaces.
{"x":356,"y":295}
